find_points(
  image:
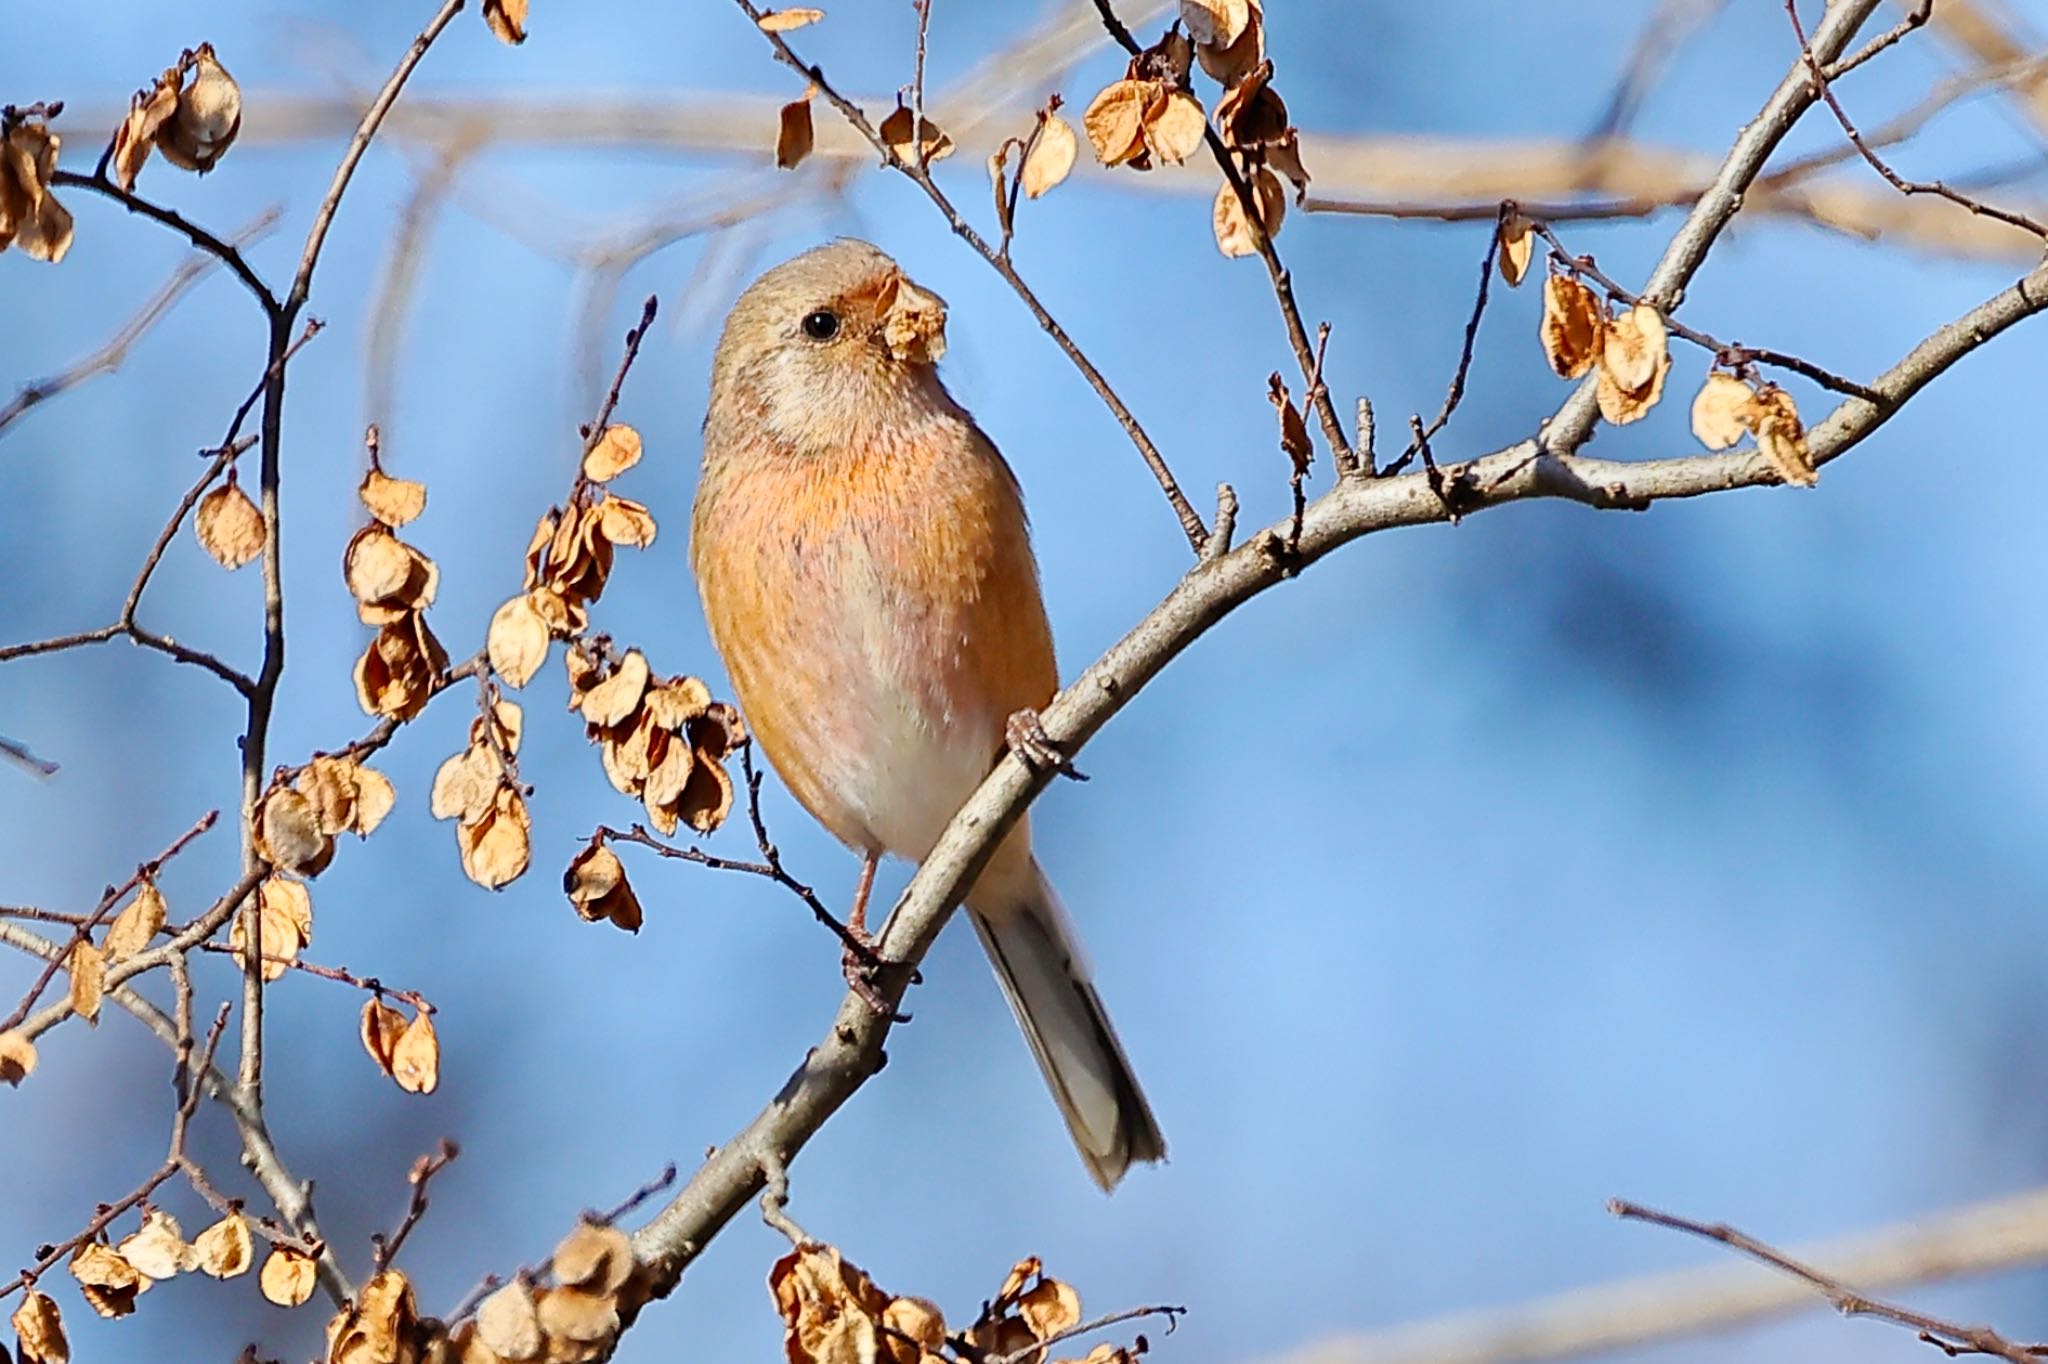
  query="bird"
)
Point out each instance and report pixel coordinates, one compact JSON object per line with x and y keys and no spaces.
{"x":865,"y":565}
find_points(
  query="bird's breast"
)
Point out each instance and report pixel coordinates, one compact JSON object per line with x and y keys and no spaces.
{"x":879,"y":614}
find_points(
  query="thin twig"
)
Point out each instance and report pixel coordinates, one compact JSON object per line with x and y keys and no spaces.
{"x":1173,"y":1314}
{"x":384,"y":1249}
{"x":1948,"y":1336}
{"x":769,"y":867}
{"x":1878,"y":164}
{"x":1733,"y":354}
{"x":227,"y":253}
{"x":1456,"y":392}
{"x":108,"y":899}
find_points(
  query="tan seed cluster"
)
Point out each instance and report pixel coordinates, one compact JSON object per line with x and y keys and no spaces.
{"x":664,"y":741}
{"x":191,"y":115}
{"x":833,"y":1312}
{"x":30,"y":216}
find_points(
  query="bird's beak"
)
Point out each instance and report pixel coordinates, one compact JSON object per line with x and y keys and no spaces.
{"x":910,"y":322}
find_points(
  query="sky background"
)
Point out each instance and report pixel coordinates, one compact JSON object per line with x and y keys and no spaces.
{"x":1480,"y":875}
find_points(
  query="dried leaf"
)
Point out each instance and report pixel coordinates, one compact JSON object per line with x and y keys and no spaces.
{"x":397,"y":674}
{"x":616,"y":451}
{"x":134,"y":927}
{"x":914,"y":325}
{"x":507,"y":19}
{"x":40,"y":1329}
{"x":618,"y":696}
{"x":30,"y":216}
{"x":394,"y":501}
{"x":379,"y":1327}
{"x":1215,"y":23}
{"x":793,"y":134}
{"x":87,"y":969}
{"x":1051,"y":157}
{"x":387,"y":577}
{"x":625,"y":522}
{"x":1632,"y":347}
{"x":137,"y":135}
{"x":507,"y":1323}
{"x":110,"y":1284}
{"x":1294,"y":441}
{"x":1724,"y":408}
{"x":783,"y":20}
{"x":157,"y":1250}
{"x":569,"y":1314}
{"x":287,"y":1277}
{"x":830,"y":1308}
{"x":1635,"y":355}
{"x":374,"y":798}
{"x":593,"y":1258}
{"x":1049,"y":1308}
{"x":1782,"y":438}
{"x":597,"y":887}
{"x":518,"y":641}
{"x":224,"y":1249}
{"x":208,"y":117}
{"x":17,"y":1057}
{"x":1517,"y":239}
{"x":1115,"y":121}
{"x":288,"y":833}
{"x":1227,"y":64}
{"x":496,"y":848}
{"x":1621,"y":406}
{"x":930,"y":141}
{"x":285,"y":911}
{"x":921,"y":1321}
{"x":380,"y":1029}
{"x":1174,"y":125}
{"x":416,"y":1056}
{"x":1573,"y":326}
{"x":229,"y":526}
{"x":1235,"y":235}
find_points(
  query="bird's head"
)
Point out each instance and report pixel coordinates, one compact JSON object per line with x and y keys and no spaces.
{"x":830,"y":346}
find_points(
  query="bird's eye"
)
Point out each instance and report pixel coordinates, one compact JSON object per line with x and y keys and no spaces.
{"x":821,"y":325}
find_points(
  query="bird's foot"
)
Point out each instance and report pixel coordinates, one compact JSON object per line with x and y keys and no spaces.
{"x":863,"y":967}
{"x":1025,"y":734}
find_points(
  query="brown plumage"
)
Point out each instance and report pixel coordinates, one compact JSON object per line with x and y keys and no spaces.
{"x":866,"y":570}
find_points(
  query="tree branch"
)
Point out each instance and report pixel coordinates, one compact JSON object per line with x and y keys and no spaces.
{"x":851,"y":1050}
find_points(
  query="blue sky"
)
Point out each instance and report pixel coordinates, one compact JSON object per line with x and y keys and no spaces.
{"x":1481,"y":874}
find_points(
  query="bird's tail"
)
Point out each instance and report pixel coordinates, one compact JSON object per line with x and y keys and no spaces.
{"x":1039,"y":963}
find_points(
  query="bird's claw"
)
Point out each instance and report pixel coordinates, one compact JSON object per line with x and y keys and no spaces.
{"x":862,"y":966}
{"x":1025,"y":734}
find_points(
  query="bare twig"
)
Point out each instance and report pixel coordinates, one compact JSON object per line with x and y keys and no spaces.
{"x":226,"y":252}
{"x":384,"y":1249}
{"x":1172,"y":1314}
{"x":1456,"y":392}
{"x":1878,"y":164}
{"x":1733,"y":354}
{"x":1948,"y":1336}
{"x":770,"y":866}
{"x":108,"y":899}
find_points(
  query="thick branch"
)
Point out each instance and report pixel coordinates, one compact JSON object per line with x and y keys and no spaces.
{"x":851,"y":1051}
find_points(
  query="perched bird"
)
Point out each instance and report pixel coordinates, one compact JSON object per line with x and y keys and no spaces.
{"x":867,"y":574}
